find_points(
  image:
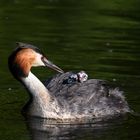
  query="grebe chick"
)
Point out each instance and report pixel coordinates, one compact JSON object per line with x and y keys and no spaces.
{"x":59,"y":100}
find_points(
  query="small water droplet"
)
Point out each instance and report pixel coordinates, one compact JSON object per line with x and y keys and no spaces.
{"x":6,"y":18}
{"x":107,"y":44}
{"x":114,"y":79}
{"x":110,"y":50}
{"x":9,"y":89}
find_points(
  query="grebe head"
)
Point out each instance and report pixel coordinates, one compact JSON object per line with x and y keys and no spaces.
{"x":26,"y":56}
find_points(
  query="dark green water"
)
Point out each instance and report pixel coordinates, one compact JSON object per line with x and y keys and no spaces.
{"x":100,"y":37}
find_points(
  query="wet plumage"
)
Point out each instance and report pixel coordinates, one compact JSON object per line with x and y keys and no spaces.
{"x":93,"y":98}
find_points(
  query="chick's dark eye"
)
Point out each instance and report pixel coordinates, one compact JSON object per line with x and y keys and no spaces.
{"x":42,"y":58}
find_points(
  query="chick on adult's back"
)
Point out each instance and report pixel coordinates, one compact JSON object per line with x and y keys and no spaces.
{"x":92,"y":98}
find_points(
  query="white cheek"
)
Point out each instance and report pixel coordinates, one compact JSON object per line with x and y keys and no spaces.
{"x":38,"y":61}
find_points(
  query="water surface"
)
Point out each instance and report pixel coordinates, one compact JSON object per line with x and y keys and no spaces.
{"x":100,"y":37}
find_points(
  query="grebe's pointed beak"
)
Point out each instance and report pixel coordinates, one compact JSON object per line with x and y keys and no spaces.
{"x":51,"y":65}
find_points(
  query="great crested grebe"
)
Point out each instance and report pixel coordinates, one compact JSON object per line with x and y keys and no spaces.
{"x":59,"y":100}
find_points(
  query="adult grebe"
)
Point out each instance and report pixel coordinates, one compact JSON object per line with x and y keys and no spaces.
{"x":60,"y":100}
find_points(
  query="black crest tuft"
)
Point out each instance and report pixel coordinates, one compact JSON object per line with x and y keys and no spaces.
{"x":21,"y":45}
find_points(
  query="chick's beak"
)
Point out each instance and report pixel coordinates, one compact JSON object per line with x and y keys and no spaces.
{"x":51,"y":65}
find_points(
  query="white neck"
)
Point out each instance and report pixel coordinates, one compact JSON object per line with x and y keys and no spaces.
{"x":35,"y":87}
{"x":43,"y":104}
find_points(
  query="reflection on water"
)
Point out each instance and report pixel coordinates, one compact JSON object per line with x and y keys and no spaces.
{"x":43,"y":129}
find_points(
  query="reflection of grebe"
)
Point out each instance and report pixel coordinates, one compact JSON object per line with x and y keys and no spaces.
{"x":59,"y":100}
{"x":42,"y":129}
